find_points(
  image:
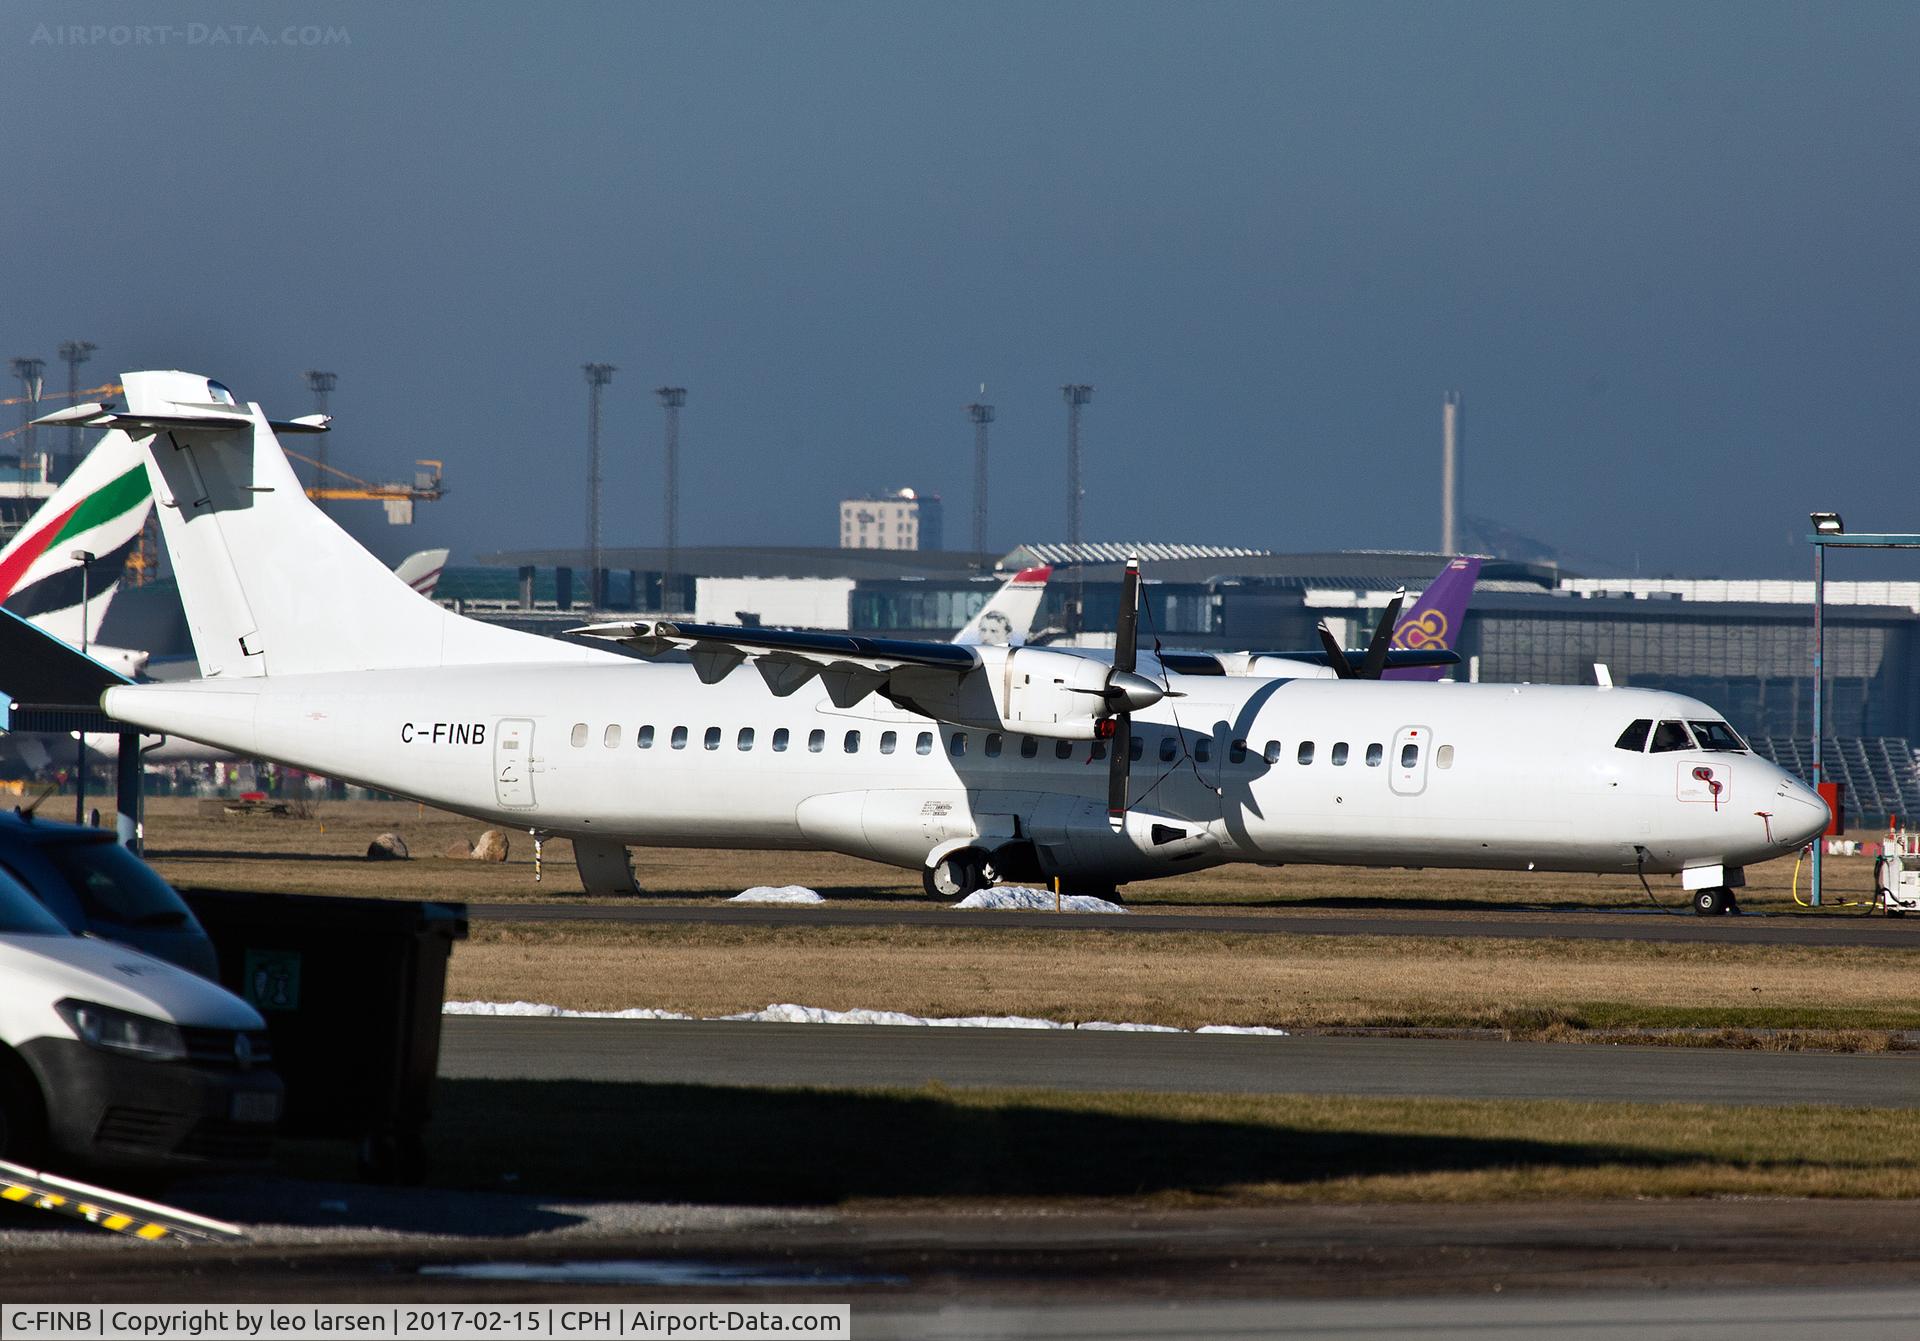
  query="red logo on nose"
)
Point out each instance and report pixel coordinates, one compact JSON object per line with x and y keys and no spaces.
{"x":1705,"y":774}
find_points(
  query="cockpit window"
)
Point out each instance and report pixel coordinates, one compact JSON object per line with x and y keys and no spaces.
{"x":1635,"y":736}
{"x":1671,"y":736}
{"x":1718,"y":736}
{"x":218,"y":394}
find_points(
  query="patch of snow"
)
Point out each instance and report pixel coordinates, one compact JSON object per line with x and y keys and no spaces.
{"x":1241,"y":1029}
{"x":791,"y":1014}
{"x":536,"y":1009}
{"x":780,"y":894}
{"x":1036,"y":900}
{"x":1131,"y":1028}
{"x":787,"y":1013}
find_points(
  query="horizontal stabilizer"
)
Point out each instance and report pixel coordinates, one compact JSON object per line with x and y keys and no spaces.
{"x":1229,"y":663}
{"x":211,"y":420}
{"x":36,"y":667}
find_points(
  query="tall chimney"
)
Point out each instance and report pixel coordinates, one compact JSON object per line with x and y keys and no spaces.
{"x":1453,"y":470}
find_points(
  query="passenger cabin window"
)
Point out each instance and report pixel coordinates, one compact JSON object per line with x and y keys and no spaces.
{"x":1409,"y":755}
{"x":994,"y":742}
{"x":1305,"y":753}
{"x":1375,"y":753}
{"x":1063,"y":749}
{"x":1718,"y":736}
{"x":889,"y":740}
{"x":1167,"y":747}
{"x":579,"y":735}
{"x":745,"y":739}
{"x":1671,"y":736}
{"x":712,"y":738}
{"x":852,"y":742}
{"x":1237,"y":752}
{"x":1634,"y":738}
{"x":1202,"y":749}
{"x":1029,"y":747}
{"x":679,"y":737}
{"x":1443,"y":757}
{"x":957,"y":745}
{"x":780,"y":739}
{"x":611,"y":737}
{"x":1097,"y":750}
{"x":1339,"y":756}
{"x":1272,"y":753}
{"x":924,"y":744}
{"x":816,"y":741}
{"x":644,"y":738}
{"x":1136,"y":747}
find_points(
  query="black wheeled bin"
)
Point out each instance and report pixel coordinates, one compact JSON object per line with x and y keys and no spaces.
{"x":351,"y":990}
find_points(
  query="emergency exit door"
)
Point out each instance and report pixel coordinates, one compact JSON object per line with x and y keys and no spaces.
{"x":1407,"y":765}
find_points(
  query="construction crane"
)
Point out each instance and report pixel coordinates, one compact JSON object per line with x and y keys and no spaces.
{"x":398,"y":498}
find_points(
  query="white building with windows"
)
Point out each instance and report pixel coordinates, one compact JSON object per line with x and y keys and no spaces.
{"x":901,"y":519}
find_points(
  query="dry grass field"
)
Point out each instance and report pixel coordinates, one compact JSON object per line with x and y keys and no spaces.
{"x":1851,"y":997}
{"x":1185,"y":980}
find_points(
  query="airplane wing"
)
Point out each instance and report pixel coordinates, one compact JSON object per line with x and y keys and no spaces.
{"x":1033,"y":689}
{"x":849,"y":667}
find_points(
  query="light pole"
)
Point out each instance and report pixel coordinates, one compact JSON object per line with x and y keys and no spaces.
{"x":28,"y":371}
{"x":75,"y":352}
{"x":598,"y":375}
{"x":85,"y":559}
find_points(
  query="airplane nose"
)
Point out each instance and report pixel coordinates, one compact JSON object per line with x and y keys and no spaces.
{"x":1800,"y":815}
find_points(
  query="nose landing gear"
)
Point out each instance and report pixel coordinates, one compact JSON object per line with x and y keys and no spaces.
{"x":1714,"y":901}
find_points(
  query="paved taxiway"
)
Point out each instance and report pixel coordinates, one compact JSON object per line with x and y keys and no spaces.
{"x":1647,"y":925}
{"x":1721,"y":1315}
{"x":702,"y":1052}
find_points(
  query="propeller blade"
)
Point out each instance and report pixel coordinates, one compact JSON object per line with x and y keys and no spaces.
{"x":1126,"y":633}
{"x":1336,"y":654}
{"x":1376,"y":661}
{"x":1126,"y":691}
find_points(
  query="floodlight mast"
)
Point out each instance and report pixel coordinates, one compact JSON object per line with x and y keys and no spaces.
{"x":1829,"y":531}
{"x":598,"y":375}
{"x":672,"y":400}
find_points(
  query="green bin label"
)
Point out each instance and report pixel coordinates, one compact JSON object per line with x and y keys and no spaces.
{"x":273,"y":980}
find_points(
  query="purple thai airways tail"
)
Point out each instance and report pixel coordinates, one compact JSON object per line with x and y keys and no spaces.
{"x":1433,"y":623}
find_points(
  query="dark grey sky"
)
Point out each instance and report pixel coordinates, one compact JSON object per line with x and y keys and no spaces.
{"x":1666,"y":251}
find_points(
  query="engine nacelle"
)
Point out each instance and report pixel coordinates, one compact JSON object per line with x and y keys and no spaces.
{"x":1030,"y":690}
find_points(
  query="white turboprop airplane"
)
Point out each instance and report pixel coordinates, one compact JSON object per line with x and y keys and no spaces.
{"x":968,"y":763}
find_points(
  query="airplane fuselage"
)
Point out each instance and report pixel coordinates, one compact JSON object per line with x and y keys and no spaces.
{"x":1237,"y":769}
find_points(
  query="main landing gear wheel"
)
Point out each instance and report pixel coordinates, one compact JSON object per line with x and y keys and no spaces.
{"x":1711,"y":902}
{"x":957,"y":875}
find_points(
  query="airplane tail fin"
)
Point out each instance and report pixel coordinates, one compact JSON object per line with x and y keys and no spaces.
{"x":1433,"y":622}
{"x":1007,"y":618}
{"x":421,"y":570}
{"x":270,"y":584}
{"x":100,"y":510}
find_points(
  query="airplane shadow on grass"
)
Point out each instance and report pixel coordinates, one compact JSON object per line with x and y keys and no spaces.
{"x":714,"y":1144}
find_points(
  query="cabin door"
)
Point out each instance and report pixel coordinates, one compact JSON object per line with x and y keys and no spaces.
{"x":513,"y":763}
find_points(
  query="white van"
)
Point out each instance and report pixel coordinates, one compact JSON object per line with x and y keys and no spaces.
{"x":112,"y":1058}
